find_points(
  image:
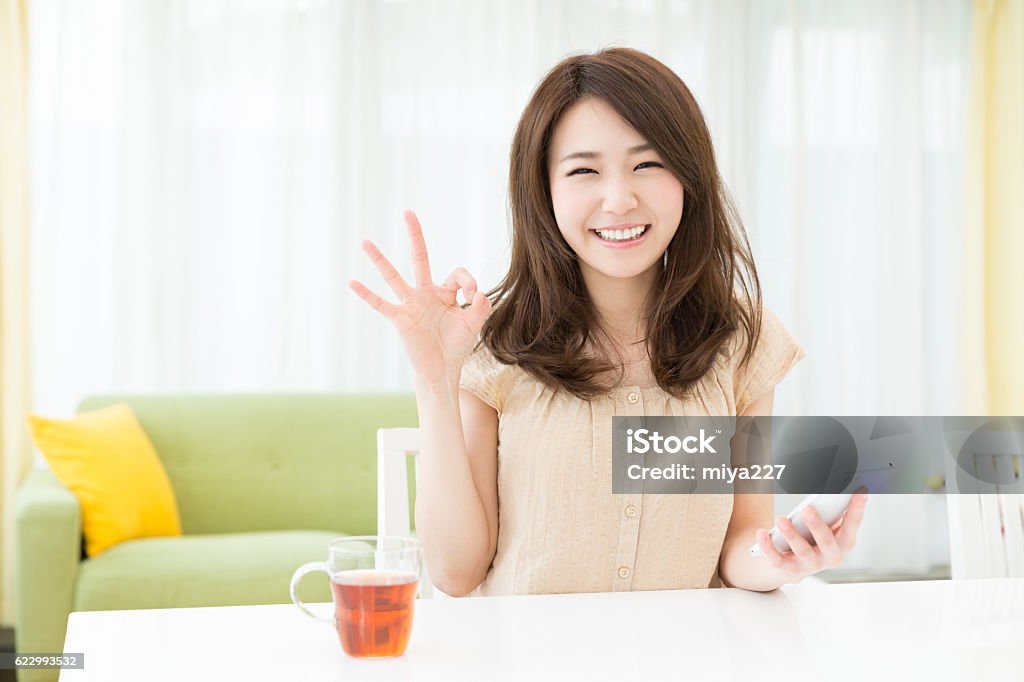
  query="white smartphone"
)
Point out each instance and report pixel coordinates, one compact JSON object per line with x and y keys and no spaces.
{"x":831,"y":508}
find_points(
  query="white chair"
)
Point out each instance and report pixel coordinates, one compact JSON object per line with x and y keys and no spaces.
{"x":394,"y":446}
{"x":986,"y":528}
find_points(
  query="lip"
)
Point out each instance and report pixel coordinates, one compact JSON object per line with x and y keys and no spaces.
{"x":624,"y":245}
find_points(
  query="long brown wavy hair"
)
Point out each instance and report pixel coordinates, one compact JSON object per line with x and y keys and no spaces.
{"x":543,"y":316}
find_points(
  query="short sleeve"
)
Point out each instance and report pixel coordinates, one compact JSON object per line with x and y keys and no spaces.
{"x":775,"y":353}
{"x":485,"y":377}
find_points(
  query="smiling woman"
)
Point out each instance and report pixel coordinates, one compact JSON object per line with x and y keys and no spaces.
{"x":612,"y":163}
{"x":631,"y":292}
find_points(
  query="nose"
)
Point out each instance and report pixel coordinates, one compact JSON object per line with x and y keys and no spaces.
{"x":619,"y":197}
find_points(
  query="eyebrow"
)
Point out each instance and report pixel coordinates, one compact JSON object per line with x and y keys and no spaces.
{"x":594,"y":155}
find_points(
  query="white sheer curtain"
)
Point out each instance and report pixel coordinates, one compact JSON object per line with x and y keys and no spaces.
{"x":204,"y":171}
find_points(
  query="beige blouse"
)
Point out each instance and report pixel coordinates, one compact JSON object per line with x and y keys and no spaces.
{"x":560,"y":528}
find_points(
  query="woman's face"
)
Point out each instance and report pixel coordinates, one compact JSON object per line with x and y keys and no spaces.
{"x":614,"y":201}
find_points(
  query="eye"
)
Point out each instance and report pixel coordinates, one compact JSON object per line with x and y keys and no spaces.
{"x":579,"y":171}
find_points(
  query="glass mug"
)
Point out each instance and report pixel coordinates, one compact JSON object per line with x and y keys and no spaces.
{"x":374,"y":581}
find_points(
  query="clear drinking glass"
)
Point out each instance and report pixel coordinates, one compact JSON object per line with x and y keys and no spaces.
{"x":373,"y":581}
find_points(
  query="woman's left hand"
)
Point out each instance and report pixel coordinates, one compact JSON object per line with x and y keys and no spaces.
{"x":832,"y":543}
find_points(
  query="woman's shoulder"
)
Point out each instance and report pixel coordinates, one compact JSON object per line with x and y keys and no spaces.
{"x":770,"y":332}
{"x":486,"y":377}
{"x":481,"y":359}
{"x":775,"y":351}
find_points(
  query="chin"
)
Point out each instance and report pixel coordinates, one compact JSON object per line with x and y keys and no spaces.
{"x":623,"y":270}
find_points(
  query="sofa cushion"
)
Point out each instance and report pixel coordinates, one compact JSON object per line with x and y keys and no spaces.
{"x":106,"y":460}
{"x":203,"y":570}
{"x":259,"y":462}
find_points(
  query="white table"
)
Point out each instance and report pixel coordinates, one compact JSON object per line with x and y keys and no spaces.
{"x":928,"y":630}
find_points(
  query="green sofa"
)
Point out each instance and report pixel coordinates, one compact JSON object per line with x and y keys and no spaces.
{"x":263,"y":482}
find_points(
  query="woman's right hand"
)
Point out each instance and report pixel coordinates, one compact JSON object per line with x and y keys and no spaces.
{"x":437,"y":332}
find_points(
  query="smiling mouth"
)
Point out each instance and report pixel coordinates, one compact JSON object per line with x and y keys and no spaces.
{"x":620,"y":236}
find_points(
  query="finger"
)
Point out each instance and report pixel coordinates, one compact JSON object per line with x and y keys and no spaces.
{"x":461,"y":279}
{"x":801,"y":548}
{"x":387,"y":270}
{"x":847,"y":534}
{"x":383,"y":307}
{"x":479,"y":309}
{"x":774,"y":557}
{"x":420,"y":261}
{"x":823,"y":537}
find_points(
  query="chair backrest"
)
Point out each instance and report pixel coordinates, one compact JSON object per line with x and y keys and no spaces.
{"x":393,"y":447}
{"x":986,"y":535}
{"x":986,"y":529}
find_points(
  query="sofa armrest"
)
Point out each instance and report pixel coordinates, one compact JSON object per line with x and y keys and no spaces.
{"x":48,"y":548}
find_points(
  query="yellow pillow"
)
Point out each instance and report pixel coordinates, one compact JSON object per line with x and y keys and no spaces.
{"x":106,"y":460}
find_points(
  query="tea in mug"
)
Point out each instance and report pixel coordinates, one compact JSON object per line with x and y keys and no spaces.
{"x":374,"y":611}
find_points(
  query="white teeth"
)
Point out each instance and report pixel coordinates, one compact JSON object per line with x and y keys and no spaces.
{"x":620,"y":235}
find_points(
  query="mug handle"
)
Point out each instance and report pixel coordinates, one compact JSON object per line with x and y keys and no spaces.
{"x":297,"y":577}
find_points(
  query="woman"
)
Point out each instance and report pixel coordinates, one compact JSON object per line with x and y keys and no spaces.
{"x":631,"y":291}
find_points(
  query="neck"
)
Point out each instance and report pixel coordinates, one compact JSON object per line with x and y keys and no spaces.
{"x":621,"y":303}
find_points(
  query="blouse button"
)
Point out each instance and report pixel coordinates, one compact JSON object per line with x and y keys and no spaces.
{"x":630,"y":511}
{"x":633,"y":397}
{"x":623,"y":572}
